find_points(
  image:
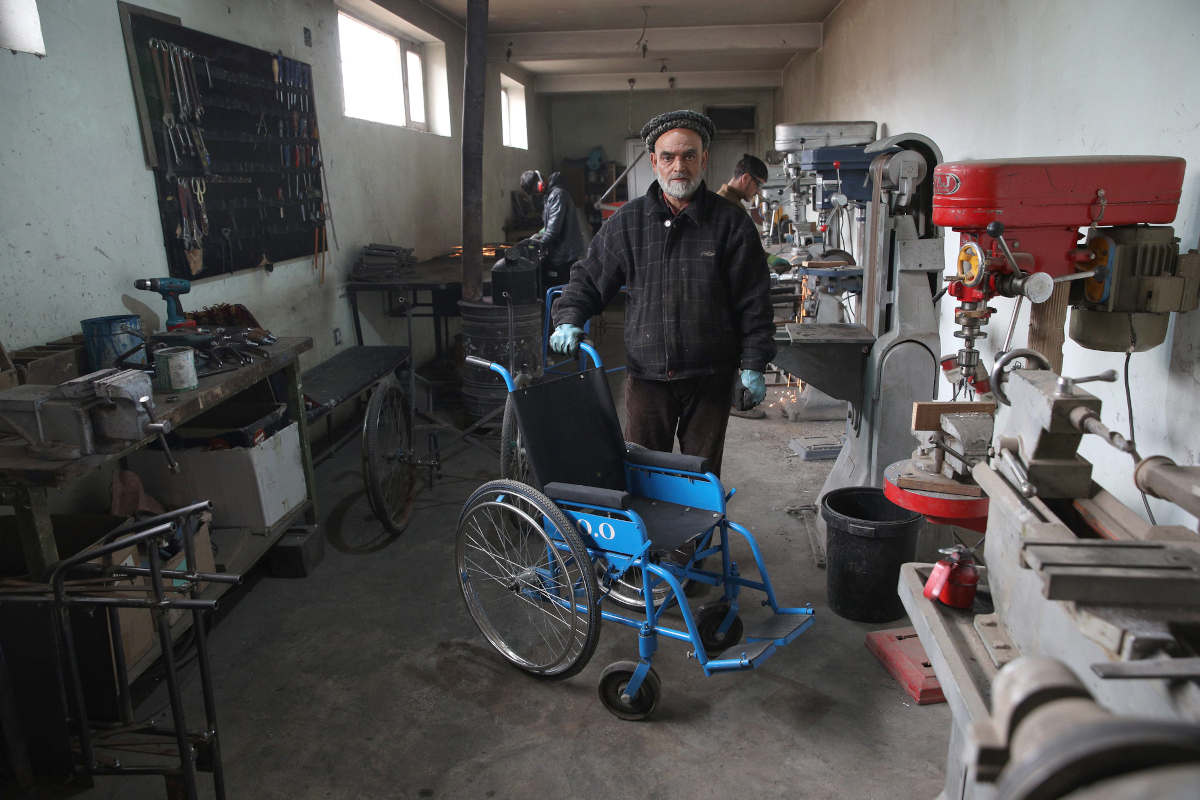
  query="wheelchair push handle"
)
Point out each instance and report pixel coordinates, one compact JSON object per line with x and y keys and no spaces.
{"x":476,"y":361}
{"x":591,"y":351}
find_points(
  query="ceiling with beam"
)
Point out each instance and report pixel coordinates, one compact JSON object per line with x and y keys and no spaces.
{"x":513,"y":16}
{"x":596,"y":45}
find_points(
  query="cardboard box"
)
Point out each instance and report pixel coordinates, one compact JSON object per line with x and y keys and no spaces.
{"x":250,"y":487}
{"x":204,"y":563}
{"x":138,"y":633}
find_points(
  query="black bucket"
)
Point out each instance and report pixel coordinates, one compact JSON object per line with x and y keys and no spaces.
{"x":869,"y":537}
{"x":485,"y":334}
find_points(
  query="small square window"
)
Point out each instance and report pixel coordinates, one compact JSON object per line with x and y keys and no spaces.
{"x":372,"y":73}
{"x":514,"y":131}
{"x":383,"y":76}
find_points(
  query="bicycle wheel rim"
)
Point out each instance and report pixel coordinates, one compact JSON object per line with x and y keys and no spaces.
{"x":392,"y":480}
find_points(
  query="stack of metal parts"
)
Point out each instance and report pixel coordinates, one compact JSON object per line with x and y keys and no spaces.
{"x":104,"y":412}
{"x":89,"y":581}
{"x":1084,"y":669}
{"x":379,"y":263}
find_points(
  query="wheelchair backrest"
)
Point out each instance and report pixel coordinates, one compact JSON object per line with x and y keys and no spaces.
{"x":570,"y":430}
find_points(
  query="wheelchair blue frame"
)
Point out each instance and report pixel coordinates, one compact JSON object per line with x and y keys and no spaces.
{"x":620,"y":537}
{"x":551,"y":294}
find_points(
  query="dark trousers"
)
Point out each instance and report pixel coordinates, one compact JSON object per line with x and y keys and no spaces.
{"x":697,"y":409}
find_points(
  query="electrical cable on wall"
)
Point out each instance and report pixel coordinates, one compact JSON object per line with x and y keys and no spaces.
{"x":1129,"y":410}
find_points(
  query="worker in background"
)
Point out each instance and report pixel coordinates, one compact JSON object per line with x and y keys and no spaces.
{"x":698,"y":305}
{"x":561,"y":238}
{"x":749,"y":175}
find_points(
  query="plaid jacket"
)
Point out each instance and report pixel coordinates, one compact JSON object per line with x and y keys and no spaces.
{"x":699,"y":289}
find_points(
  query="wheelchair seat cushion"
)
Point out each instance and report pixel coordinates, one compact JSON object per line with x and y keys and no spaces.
{"x":671,"y":526}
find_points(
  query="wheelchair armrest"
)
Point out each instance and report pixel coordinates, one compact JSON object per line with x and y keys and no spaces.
{"x":591,"y":495}
{"x":676,"y":461}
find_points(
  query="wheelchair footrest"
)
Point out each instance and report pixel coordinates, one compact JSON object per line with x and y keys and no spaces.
{"x":746,"y":655}
{"x":779,"y":628}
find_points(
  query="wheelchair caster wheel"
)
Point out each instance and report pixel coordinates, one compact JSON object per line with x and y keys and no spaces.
{"x":613,"y":681}
{"x":708,"y":619}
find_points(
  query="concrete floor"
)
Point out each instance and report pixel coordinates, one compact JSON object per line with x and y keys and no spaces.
{"x":368,"y":679}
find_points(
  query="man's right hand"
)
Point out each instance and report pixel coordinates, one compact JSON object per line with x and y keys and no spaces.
{"x":565,"y":339}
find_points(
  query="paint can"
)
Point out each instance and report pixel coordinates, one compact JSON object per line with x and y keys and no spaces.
{"x":105,"y":339}
{"x":175,"y":369}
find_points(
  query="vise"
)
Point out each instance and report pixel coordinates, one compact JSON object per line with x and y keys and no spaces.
{"x":104,"y":412}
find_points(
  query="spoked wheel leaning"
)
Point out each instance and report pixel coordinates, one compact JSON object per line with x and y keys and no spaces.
{"x":527,"y":580}
{"x":514,"y":465}
{"x":612,"y":685}
{"x":390,"y":478}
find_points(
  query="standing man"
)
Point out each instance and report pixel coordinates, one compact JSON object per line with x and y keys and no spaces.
{"x":561,"y":237}
{"x":698,"y":305}
{"x":749,"y":175}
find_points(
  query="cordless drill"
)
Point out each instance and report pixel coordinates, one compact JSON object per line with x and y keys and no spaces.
{"x":170,"y":289}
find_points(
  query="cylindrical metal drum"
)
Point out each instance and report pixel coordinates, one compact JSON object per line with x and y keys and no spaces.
{"x":485,"y":334}
{"x":105,"y":339}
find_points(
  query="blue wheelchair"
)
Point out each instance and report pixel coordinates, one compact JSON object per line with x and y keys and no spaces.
{"x":536,"y":562}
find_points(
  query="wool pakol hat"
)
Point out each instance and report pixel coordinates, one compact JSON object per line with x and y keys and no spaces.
{"x":691,"y":120}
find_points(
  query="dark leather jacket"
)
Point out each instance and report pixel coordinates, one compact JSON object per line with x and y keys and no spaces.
{"x":699,"y":291}
{"x":561,"y":237}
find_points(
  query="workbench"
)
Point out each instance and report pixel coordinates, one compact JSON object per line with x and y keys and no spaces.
{"x":25,"y":481}
{"x":441,"y":275}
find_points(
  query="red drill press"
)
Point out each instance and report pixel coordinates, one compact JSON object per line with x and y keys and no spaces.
{"x":1019,"y":220}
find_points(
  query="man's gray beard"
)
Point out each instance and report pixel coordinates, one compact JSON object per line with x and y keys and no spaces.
{"x":681,"y":191}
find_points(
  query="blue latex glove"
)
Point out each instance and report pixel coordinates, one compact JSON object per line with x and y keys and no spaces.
{"x":565,"y":340}
{"x":753,"y":380}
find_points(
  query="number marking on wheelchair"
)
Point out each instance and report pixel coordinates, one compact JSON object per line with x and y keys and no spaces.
{"x":606,"y":530}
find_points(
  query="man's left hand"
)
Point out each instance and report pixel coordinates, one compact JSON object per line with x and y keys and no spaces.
{"x":753,"y":380}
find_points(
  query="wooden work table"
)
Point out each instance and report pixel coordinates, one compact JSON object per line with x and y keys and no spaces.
{"x":25,"y":481}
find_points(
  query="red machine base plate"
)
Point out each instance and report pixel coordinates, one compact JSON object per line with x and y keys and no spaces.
{"x":901,"y":653}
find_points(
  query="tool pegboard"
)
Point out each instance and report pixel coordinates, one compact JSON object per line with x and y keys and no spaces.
{"x":231,"y":133}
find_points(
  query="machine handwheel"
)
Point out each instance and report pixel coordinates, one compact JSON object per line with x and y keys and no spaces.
{"x":390,"y":479}
{"x":513,"y":463}
{"x":972,"y":255}
{"x":708,"y":619}
{"x":612,"y":685}
{"x":1033,"y":360}
{"x":527,"y":580}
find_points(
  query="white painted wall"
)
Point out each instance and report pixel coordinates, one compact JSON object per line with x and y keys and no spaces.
{"x":78,"y":215}
{"x":1011,"y":78}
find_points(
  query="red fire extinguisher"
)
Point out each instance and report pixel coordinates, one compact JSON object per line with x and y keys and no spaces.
{"x":954,"y":579}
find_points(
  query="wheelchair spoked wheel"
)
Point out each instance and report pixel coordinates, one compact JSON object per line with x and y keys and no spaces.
{"x":513,"y":462}
{"x":391,"y":480}
{"x":626,"y":591}
{"x":612,"y":685}
{"x":527,"y":580}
